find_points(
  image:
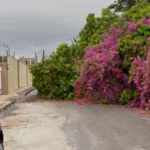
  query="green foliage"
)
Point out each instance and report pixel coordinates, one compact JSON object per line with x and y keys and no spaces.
{"x":87,"y":31}
{"x":127,"y":95}
{"x":138,"y":11}
{"x":134,"y":45}
{"x":54,"y":78}
{"x":3,"y":59}
{"x":95,"y":26}
{"x":122,"y":5}
{"x":104,"y":22}
{"x":41,"y":77}
{"x":104,"y":101}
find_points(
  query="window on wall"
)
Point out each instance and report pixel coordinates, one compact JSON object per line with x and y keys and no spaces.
{"x":30,"y":62}
{"x":27,"y":62}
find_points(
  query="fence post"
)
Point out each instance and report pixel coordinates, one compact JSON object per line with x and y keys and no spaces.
{"x":18,"y":75}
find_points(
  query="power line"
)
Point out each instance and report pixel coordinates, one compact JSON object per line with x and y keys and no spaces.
{"x":4,"y":52}
{"x":40,"y":55}
{"x":4,"y":45}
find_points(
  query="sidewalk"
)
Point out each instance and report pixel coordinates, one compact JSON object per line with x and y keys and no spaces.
{"x":6,"y":100}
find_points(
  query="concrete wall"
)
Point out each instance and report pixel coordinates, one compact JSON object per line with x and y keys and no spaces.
{"x":13,"y":75}
{"x":4,"y":80}
{"x":22,"y":75}
{"x":29,"y":77}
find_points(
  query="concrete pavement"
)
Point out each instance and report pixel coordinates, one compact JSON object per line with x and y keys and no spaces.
{"x":53,"y":125}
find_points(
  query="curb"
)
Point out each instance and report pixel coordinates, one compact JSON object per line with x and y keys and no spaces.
{"x":7,"y":105}
{"x":27,"y":92}
{"x":14,"y":99}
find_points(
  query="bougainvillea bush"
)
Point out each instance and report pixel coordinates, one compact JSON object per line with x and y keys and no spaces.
{"x":104,"y":74}
{"x":101,"y":79}
{"x":113,"y":58}
{"x":140,"y":74}
{"x":113,"y":67}
{"x":133,"y":44}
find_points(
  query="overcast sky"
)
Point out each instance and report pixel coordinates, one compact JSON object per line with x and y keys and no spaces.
{"x":27,"y":26}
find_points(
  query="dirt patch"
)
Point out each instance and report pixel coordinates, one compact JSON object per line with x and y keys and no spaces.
{"x":16,"y":122}
{"x":144,"y":112}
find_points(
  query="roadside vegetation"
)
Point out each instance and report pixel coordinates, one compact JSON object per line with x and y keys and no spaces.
{"x":108,"y":62}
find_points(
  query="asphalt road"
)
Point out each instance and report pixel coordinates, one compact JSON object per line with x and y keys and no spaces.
{"x":53,"y":125}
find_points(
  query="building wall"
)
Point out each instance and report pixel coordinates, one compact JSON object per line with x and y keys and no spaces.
{"x":13,"y":75}
{"x":22,"y":75}
{"x":29,"y":77}
{"x":4,"y":76}
{"x":23,"y":60}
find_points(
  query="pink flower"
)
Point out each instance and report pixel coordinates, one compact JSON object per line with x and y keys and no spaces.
{"x":148,"y":39}
{"x":144,"y":20}
{"x":81,"y":101}
{"x":135,"y":61}
{"x":148,"y":21}
{"x":114,"y":47}
{"x":105,"y":36}
{"x":132,"y":105}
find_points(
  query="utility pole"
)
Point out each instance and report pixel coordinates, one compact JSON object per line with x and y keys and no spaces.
{"x":43,"y":55}
{"x":1,"y":48}
{"x":14,"y":54}
{"x":7,"y":52}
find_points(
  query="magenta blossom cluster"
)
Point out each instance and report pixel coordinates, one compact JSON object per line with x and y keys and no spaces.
{"x":101,"y":77}
{"x":81,"y":101}
{"x":146,"y":21}
{"x":142,"y":82}
{"x":133,"y":26}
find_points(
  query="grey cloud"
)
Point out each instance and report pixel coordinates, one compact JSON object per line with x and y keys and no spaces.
{"x":29,"y":25}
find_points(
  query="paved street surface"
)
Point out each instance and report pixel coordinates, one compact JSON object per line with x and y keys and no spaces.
{"x":53,"y":125}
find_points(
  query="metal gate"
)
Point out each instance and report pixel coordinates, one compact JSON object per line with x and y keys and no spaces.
{"x":0,"y":80}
